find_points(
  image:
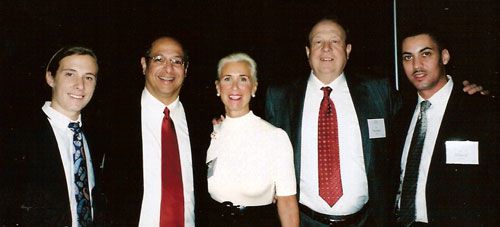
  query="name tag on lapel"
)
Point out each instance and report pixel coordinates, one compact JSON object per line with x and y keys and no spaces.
{"x":376,"y":128}
{"x":462,"y":152}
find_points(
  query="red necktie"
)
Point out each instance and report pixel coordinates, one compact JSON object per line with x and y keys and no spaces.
{"x":172,"y":199}
{"x":330,"y":182}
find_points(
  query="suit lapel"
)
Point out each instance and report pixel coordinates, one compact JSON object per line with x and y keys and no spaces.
{"x":363,"y":106}
{"x":50,"y":154}
{"x":404,"y":119}
{"x":47,"y":154}
{"x":448,"y":123}
{"x":296,"y":102}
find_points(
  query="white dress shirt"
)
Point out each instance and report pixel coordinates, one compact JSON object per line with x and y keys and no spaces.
{"x":250,"y":161}
{"x":64,"y":138}
{"x":434,"y":117}
{"x":151,"y":118}
{"x":352,"y":166}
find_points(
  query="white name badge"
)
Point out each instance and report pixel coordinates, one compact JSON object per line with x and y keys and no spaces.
{"x":462,"y":152}
{"x":376,"y":128}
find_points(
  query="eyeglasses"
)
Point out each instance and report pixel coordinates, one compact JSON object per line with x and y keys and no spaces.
{"x":174,"y":61}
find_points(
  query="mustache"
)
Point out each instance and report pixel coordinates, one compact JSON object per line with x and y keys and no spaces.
{"x":418,"y":71}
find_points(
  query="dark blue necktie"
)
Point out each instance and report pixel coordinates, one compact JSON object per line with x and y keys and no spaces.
{"x":82,"y":193}
{"x":407,"y":206}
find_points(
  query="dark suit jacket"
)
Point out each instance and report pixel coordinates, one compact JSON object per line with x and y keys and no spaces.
{"x":35,"y":192}
{"x":123,"y":169}
{"x":460,"y":195}
{"x":372,"y":99}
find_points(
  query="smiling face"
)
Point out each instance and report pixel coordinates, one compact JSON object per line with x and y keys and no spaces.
{"x":424,"y":63}
{"x":73,"y":85}
{"x":327,"y":51}
{"x":164,"y":74}
{"x":235,"y":86}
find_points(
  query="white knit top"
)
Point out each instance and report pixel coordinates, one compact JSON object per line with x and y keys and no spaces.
{"x":250,"y":161}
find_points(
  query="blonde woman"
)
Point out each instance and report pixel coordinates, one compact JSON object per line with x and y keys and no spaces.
{"x":250,"y":162}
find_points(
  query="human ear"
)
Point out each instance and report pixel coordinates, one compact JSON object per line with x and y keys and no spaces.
{"x":445,"y":56}
{"x":144,"y":65}
{"x":49,"y":78}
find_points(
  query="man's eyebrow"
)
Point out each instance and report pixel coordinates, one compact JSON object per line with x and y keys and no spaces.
{"x":424,"y":49}
{"x":420,"y":51}
{"x":73,"y":70}
{"x":69,"y":69}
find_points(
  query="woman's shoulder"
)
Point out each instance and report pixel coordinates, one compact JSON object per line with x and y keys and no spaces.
{"x":268,"y":128}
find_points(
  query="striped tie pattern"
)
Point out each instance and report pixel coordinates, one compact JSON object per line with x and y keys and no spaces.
{"x":407,"y":206}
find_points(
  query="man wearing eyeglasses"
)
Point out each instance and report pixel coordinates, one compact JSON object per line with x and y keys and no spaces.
{"x":149,"y":174}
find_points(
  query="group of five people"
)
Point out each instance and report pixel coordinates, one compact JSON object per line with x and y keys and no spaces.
{"x":336,"y":150}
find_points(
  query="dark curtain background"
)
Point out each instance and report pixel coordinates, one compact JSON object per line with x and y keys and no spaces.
{"x":272,"y":32}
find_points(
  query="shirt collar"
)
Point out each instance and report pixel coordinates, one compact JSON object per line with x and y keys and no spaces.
{"x":440,"y":98}
{"x":150,"y":102}
{"x":58,"y":118}
{"x":315,"y":83}
{"x":237,"y":122}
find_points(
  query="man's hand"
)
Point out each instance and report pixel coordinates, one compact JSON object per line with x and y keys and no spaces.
{"x":217,"y":121}
{"x":473,"y":88}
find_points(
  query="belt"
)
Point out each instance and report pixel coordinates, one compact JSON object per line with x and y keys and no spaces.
{"x":228,"y":209}
{"x":334,"y":220}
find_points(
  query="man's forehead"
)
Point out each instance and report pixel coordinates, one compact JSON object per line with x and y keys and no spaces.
{"x":327,"y":27}
{"x":420,"y":41}
{"x":168,"y":45}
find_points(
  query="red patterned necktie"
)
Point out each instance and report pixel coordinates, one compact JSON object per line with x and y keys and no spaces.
{"x":330,"y":182}
{"x":172,"y":199}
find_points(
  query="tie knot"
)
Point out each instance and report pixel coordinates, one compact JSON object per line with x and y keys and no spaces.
{"x":424,"y":105}
{"x":166,"y":111}
{"x":75,"y":127}
{"x":326,"y":91}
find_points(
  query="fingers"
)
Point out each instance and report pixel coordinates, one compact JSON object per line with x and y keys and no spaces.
{"x":217,"y":121}
{"x":471,"y":88}
{"x":485,"y":92}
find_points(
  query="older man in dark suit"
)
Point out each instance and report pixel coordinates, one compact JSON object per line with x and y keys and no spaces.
{"x":52,"y":176}
{"x":149,"y":131}
{"x":448,"y":174}
{"x":341,"y":159}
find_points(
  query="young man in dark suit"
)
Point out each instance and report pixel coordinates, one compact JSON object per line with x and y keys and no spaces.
{"x":135,"y":172}
{"x":364,"y":109}
{"x":52,"y":178}
{"x":448,"y":173}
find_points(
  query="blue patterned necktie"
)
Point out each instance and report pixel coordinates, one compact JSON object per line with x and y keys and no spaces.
{"x":407,"y":208}
{"x":82,"y":193}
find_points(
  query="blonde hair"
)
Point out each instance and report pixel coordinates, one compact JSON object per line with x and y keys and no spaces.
{"x":239,"y":57}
